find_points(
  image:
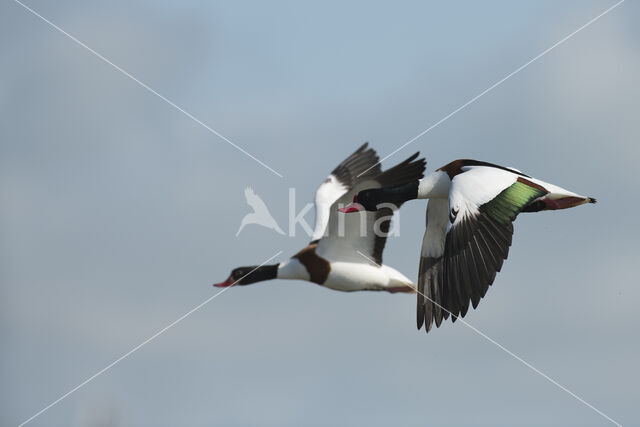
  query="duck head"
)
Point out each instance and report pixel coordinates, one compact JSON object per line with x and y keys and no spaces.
{"x":365,"y":200}
{"x":249,"y":275}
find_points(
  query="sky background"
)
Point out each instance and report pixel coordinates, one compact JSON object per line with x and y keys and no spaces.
{"x":117,"y":211}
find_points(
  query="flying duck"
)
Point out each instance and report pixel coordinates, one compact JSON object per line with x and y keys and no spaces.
{"x":469,"y":227}
{"x":337,"y":255}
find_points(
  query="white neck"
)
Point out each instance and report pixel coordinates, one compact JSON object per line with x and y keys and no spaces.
{"x":434,"y":186}
{"x":292,"y":269}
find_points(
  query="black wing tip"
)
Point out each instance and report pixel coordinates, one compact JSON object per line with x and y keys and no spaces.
{"x":363,"y":147}
{"x":592,"y":200}
{"x":411,"y":162}
{"x":424,"y":321}
{"x":412,"y":157}
{"x":363,"y":161}
{"x":408,"y":170}
{"x":422,"y":161}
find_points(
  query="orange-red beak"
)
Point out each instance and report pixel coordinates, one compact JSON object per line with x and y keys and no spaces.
{"x":352,"y":207}
{"x":224,"y":284}
{"x":567,"y":202}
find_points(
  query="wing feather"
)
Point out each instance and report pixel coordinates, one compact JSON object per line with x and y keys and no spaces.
{"x":430,"y":275}
{"x":479,"y":237}
{"x":477,"y":233}
{"x":342,"y":179}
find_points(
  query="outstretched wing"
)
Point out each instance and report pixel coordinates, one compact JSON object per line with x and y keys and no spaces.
{"x":483,"y":203}
{"x":430,"y":275}
{"x":342,"y":179}
{"x":366,"y":232}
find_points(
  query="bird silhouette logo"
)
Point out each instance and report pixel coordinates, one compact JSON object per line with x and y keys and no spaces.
{"x":260,"y":214}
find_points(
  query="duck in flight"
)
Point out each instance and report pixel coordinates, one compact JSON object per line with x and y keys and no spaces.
{"x":469,"y":227}
{"x":337,"y":255}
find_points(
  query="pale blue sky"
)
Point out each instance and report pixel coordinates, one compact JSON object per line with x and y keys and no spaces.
{"x":118,"y":212}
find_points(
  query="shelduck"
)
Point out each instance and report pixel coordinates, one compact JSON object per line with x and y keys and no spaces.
{"x":469,"y":227}
{"x":341,"y":255}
